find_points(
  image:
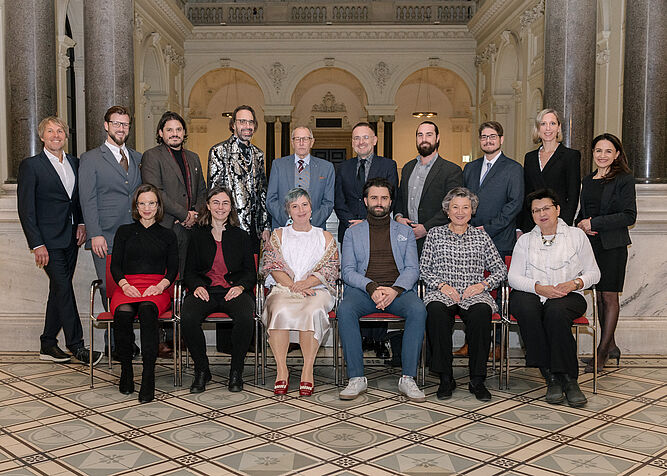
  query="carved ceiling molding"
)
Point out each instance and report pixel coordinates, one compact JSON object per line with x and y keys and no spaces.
{"x":494,"y":9}
{"x":173,"y":56}
{"x":245,"y":35}
{"x":177,"y":20}
{"x":489,"y":54}
{"x":531,"y":15}
{"x":277,"y":73}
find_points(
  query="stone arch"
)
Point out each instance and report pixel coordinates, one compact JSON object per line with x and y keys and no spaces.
{"x":218,"y":91}
{"x":450,"y":97}
{"x":362,"y":77}
{"x":507,"y":83}
{"x":153,"y":92}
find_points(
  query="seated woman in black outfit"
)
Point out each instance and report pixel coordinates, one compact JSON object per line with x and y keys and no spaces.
{"x":220,"y":270}
{"x":608,"y":208}
{"x":144,"y":263}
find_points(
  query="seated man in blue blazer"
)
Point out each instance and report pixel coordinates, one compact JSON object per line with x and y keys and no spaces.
{"x":302,"y":170}
{"x":380,"y":269}
{"x":498,"y":182}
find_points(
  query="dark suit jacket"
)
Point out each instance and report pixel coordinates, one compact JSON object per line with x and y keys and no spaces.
{"x":45,"y":209}
{"x":105,"y":192}
{"x":349,"y":202}
{"x":618,"y":210}
{"x":442,"y":177}
{"x":500,"y":199}
{"x":236,"y":251}
{"x":158,"y":167}
{"x":561,"y":174}
{"x":321,"y":190}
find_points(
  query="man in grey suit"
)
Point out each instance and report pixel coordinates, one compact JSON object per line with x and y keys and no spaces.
{"x":108,"y":176}
{"x":316,"y":176}
{"x":425,"y":181}
{"x":498,"y":182}
{"x":177,"y":173}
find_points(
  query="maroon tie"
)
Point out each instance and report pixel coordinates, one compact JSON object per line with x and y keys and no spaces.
{"x":300,"y":168}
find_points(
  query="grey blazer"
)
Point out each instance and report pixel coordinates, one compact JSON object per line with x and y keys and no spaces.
{"x":321,"y":190}
{"x":158,"y":167}
{"x":105,"y":191}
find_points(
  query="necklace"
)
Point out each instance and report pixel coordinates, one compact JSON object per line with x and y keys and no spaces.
{"x":549,"y":242}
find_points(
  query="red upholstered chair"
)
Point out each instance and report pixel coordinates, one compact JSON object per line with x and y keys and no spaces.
{"x":216,"y":317}
{"x":578,"y":324}
{"x":106,"y":318}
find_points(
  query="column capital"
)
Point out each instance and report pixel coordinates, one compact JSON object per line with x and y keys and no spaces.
{"x":269,"y":119}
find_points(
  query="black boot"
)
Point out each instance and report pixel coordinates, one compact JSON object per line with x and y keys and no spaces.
{"x":202,"y":377}
{"x":126,"y":384}
{"x":554,"y":389}
{"x":447,"y":386}
{"x":575,"y":397}
{"x":235,"y":380}
{"x":147,"y":390}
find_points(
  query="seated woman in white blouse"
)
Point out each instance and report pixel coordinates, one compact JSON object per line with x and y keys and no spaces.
{"x":302,"y":266}
{"x":452,"y":267}
{"x":551,"y":266}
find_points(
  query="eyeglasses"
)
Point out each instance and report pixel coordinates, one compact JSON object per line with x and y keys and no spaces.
{"x":246,"y":122}
{"x":360,"y":138}
{"x":302,"y":139}
{"x":118,"y":124}
{"x":491,"y":137}
{"x":537,"y":211}
{"x":147,"y":204}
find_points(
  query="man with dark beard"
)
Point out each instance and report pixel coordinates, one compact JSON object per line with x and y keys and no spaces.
{"x":425,"y":181}
{"x":380,"y":270}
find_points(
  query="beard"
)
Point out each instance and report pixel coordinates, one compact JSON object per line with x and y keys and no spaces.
{"x":119,"y":142}
{"x":425,"y":149}
{"x":379,"y":212}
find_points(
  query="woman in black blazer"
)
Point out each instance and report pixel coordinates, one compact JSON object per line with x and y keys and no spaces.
{"x":551,"y":166}
{"x":220,"y":273}
{"x":608,"y":208}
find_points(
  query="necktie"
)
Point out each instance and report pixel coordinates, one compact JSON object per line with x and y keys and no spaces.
{"x":487,"y":167}
{"x":123,"y":160}
{"x":300,"y":168}
{"x":361,"y":173}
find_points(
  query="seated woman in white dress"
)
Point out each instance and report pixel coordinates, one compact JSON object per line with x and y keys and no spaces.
{"x":301,"y":264}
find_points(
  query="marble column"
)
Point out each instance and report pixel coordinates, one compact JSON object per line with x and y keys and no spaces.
{"x":270,"y":152}
{"x":30,"y":62}
{"x":109,"y":62}
{"x":284,"y":135}
{"x":569,"y":70}
{"x":644,"y":93}
{"x":388,"y":136}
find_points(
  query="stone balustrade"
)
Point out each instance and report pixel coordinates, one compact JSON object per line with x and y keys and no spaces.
{"x":268,"y":12}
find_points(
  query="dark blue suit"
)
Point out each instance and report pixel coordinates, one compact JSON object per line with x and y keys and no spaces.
{"x":49,"y":217}
{"x":349,"y":202}
{"x":500,"y":199}
{"x":321,"y":190}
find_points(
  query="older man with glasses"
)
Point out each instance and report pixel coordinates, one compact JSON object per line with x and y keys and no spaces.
{"x":301,"y":170}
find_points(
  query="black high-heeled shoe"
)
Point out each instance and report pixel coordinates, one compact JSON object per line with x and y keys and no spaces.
{"x":601,"y":363}
{"x":615,"y":353}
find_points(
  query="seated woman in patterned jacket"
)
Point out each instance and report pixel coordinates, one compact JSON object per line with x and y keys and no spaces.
{"x":452,"y":267}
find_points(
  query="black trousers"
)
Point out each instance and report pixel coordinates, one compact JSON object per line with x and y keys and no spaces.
{"x":123,"y":320}
{"x":241,"y":309}
{"x":61,"y":310}
{"x":546,"y":330}
{"x":440,"y":323}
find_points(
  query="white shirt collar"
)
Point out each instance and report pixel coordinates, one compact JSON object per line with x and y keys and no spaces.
{"x":494,"y":159}
{"x":53,"y":157}
{"x":115,"y":150}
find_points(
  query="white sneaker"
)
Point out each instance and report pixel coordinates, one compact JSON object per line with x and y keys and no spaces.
{"x":355,"y":387}
{"x":408,"y":387}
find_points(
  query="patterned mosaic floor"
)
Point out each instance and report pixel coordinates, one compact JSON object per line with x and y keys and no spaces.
{"x":52,"y":423}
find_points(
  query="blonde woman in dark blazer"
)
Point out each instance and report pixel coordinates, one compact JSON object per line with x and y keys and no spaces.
{"x":552,"y":166}
{"x":608,"y":208}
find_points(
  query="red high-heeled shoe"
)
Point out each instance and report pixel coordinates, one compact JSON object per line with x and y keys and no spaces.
{"x":306,"y":389}
{"x":280,"y":387}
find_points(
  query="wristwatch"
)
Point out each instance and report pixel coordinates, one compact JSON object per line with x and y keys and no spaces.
{"x":579,"y":283}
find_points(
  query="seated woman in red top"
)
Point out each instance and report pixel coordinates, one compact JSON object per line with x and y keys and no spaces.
{"x":220,"y":272}
{"x":144,"y":263}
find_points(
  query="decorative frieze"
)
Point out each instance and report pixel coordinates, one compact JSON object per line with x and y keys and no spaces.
{"x":381,"y":73}
{"x":530,"y":16}
{"x":329,"y":104}
{"x":173,"y":56}
{"x":332,"y":35}
{"x":489,"y":54}
{"x":277,"y":73}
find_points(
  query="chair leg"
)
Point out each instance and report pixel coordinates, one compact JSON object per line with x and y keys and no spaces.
{"x":90,"y":339}
{"x":502,"y":355}
{"x":109,"y":344}
{"x":257,"y":331}
{"x":334,"y":354}
{"x":175,"y":352}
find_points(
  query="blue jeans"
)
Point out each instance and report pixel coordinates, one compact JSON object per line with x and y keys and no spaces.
{"x":357,"y":303}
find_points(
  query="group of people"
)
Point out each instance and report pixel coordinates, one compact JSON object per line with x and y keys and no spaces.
{"x":453,"y":229}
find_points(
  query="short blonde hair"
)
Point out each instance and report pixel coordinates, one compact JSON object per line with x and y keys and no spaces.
{"x":538,"y":119}
{"x":56,"y":120}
